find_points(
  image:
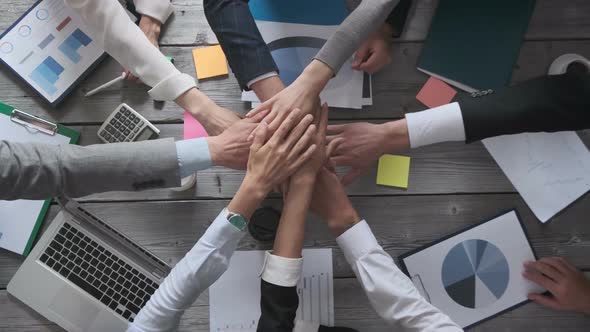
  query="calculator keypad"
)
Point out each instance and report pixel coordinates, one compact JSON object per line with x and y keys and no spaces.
{"x":122,"y":127}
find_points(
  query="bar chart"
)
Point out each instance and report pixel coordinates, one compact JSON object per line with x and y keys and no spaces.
{"x":72,"y":43}
{"x":47,"y":74}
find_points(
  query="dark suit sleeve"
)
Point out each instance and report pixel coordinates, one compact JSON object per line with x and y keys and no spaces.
{"x":545,"y":104}
{"x":398,"y":16}
{"x":247,"y":53}
{"x":278,"y":308}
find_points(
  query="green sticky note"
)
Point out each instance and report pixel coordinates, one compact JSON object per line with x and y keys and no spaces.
{"x":393,"y":171}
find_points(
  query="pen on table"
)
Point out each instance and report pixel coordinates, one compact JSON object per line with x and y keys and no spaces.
{"x":114,"y":81}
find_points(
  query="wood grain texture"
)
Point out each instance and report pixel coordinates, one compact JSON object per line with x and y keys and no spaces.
{"x":400,"y":223}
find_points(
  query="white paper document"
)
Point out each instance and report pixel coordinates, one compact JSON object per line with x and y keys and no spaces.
{"x":549,"y":170}
{"x":18,"y":218}
{"x":50,"y":48}
{"x":477,"y":273}
{"x":293,"y":46}
{"x":234,"y":299}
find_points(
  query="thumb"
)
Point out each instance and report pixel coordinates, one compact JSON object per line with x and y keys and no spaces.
{"x":361,"y":54}
{"x":259,"y":137}
{"x":349,"y":177}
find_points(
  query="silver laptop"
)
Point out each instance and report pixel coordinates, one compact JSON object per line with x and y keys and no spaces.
{"x":84,"y":275}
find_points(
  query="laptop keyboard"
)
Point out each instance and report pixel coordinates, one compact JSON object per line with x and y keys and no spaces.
{"x":98,"y":271}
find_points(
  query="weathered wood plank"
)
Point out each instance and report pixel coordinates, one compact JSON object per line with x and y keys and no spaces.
{"x":351,"y":308}
{"x":188,"y":25}
{"x":395,"y":88}
{"x":401,"y":223}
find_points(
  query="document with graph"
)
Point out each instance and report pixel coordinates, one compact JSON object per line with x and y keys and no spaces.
{"x":234,"y":299}
{"x":50,"y":49}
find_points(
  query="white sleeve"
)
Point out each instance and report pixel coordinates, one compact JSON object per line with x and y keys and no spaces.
{"x":123,"y":40}
{"x":435,"y":125}
{"x":393,"y":295}
{"x":158,"y":9}
{"x":198,"y":270}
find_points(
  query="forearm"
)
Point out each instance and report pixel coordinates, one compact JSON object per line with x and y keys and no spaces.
{"x":124,"y":41}
{"x":199,"y":106}
{"x":41,"y":171}
{"x":247,"y":53}
{"x":268,"y":87}
{"x":365,"y":19}
{"x":247,"y":199}
{"x":289,"y":239}
{"x":193,"y":274}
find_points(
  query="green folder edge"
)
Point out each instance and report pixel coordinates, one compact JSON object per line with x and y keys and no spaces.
{"x":74,"y":137}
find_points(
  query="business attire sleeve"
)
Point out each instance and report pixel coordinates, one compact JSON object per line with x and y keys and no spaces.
{"x":158,"y":9}
{"x":247,"y":53}
{"x":41,"y":171}
{"x":544,"y":104}
{"x":193,"y":274}
{"x":124,"y":41}
{"x":390,"y":291}
{"x":396,"y":19}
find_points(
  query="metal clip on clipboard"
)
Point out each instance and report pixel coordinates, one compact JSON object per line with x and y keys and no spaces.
{"x":34,"y":123}
{"x":417,"y":281}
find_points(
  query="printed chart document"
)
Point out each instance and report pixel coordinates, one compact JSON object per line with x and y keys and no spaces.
{"x":477,"y":273}
{"x":549,"y":170}
{"x":234,"y":300}
{"x":50,"y":48}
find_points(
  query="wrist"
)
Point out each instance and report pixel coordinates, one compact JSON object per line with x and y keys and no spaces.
{"x":345,"y":219}
{"x":248,"y":198}
{"x":268,"y":87}
{"x":215,"y":150}
{"x":316,"y":75}
{"x":395,"y":136}
{"x":196,"y":103}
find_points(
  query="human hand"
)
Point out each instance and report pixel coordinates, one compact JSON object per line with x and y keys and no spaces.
{"x":375,"y":52}
{"x":303,"y":94}
{"x":363,"y":143}
{"x":331,"y":203}
{"x":289,"y":147}
{"x":231,"y":148}
{"x":569,"y":288}
{"x":151,"y":28}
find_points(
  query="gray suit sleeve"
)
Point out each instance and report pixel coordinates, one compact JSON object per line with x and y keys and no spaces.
{"x":41,"y":171}
{"x":365,"y":19}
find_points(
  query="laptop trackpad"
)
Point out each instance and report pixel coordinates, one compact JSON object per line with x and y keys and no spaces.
{"x":74,"y":307}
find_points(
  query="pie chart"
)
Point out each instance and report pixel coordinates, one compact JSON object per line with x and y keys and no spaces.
{"x":475,"y":273}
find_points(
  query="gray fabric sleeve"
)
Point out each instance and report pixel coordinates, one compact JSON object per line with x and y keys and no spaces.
{"x":41,"y":171}
{"x":365,"y":19}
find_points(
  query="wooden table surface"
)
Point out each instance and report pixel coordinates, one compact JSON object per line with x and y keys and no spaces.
{"x":451,"y":185}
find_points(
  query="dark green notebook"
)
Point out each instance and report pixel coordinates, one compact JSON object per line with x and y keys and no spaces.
{"x":474,"y":45}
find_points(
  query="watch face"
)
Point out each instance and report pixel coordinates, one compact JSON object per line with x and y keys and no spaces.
{"x":238,"y":221}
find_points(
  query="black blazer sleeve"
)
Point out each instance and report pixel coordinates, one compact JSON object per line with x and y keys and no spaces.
{"x":247,"y":53}
{"x":545,"y":104}
{"x":397,"y":18}
{"x":278,"y":308}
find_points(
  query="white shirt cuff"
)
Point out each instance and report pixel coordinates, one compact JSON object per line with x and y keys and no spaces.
{"x":158,"y":9}
{"x":261,"y":77}
{"x":281,"y":271}
{"x":439,"y":124}
{"x":305,"y":326}
{"x":357,"y":241}
{"x":172,"y":87}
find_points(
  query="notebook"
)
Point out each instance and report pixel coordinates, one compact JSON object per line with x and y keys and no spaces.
{"x":474,"y":45}
{"x":20,"y":220}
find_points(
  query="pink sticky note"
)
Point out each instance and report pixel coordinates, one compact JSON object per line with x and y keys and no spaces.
{"x":436,"y":93}
{"x":192,"y":127}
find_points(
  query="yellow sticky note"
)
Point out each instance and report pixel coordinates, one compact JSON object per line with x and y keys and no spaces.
{"x":210,"y":61}
{"x":393,"y":171}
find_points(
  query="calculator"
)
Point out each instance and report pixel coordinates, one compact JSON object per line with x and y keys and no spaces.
{"x":126,"y":125}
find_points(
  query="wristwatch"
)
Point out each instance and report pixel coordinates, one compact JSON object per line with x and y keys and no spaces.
{"x":236,"y":219}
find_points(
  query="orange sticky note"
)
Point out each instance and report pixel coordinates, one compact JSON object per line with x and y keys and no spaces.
{"x":193,"y":128}
{"x":436,"y":93}
{"x":210,"y":61}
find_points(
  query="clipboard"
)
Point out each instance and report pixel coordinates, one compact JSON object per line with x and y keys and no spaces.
{"x":49,"y":40}
{"x":37,"y":126}
{"x":418,"y":279}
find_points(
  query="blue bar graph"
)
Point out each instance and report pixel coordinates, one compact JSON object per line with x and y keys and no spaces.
{"x":71,"y":45}
{"x":46,"y":74}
